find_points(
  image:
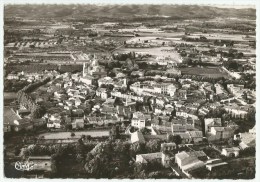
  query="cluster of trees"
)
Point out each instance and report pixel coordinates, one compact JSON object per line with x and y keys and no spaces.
{"x":230,"y":172}
{"x":233,"y":53}
{"x":130,"y":65}
{"x":123,"y":56}
{"x":250,"y":151}
{"x":14,"y":85}
{"x":72,"y":68}
{"x":233,"y":65}
{"x":223,"y":42}
{"x":117,"y":157}
{"x":27,"y":101}
{"x":24,"y":98}
{"x":35,"y":85}
{"x":190,"y":39}
{"x":31,"y":68}
{"x":58,"y":151}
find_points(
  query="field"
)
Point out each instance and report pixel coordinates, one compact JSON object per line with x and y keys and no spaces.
{"x":31,"y":68}
{"x":39,"y":67}
{"x":66,"y":135}
{"x":156,"y":51}
{"x":212,"y":72}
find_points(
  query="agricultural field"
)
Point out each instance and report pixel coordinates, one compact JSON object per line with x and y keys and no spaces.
{"x":31,"y":68}
{"x":39,"y":67}
{"x":212,"y":72}
{"x":155,"y":51}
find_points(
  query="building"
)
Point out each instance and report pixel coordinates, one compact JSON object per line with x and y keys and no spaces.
{"x":189,"y":161}
{"x":151,"y":157}
{"x":78,"y":124}
{"x":195,"y":136}
{"x":230,"y":152}
{"x":211,"y":122}
{"x":105,"y":81}
{"x":102,"y":92}
{"x":42,"y":163}
{"x":168,"y":152}
{"x":138,"y":120}
{"x":137,"y":137}
{"x":93,"y":68}
{"x":212,"y":164}
{"x":237,"y":111}
{"x":220,"y":133}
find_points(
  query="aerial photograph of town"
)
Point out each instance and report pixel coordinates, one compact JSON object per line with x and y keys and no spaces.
{"x":129,"y":91}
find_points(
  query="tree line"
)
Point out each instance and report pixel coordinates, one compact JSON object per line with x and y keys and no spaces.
{"x":24,"y":98}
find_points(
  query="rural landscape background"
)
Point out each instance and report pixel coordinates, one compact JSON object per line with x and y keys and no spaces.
{"x":129,"y":91}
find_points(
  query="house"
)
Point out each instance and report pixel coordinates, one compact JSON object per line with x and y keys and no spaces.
{"x":185,"y":137}
{"x":196,"y":136}
{"x":168,"y":153}
{"x":102,"y":92}
{"x":93,"y":120}
{"x":53,"y":124}
{"x":161,"y":123}
{"x":77,"y":102}
{"x":41,"y":163}
{"x":151,"y":157}
{"x":212,"y":164}
{"x":178,"y":129}
{"x":108,"y":110}
{"x":78,"y":124}
{"x":189,"y":161}
{"x":211,"y":122}
{"x":220,"y":133}
{"x":138,"y":120}
{"x":137,"y":137}
{"x":105,"y":81}
{"x":246,"y":140}
{"x":230,"y":152}
{"x":12,"y":76}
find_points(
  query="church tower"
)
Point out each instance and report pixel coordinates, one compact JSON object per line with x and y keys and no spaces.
{"x":85,"y":69}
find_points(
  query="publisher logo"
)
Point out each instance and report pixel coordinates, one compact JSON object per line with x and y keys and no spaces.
{"x":24,"y":166}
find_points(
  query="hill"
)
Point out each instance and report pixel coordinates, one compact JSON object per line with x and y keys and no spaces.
{"x":124,"y":11}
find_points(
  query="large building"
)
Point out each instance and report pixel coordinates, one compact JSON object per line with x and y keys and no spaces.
{"x":92,"y":71}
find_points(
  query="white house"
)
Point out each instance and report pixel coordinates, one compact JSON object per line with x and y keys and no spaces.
{"x":138,"y":120}
{"x":230,"y":152}
{"x":210,"y":122}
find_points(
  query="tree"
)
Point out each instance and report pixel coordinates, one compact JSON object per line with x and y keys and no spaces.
{"x":145,"y":131}
{"x":153,"y":146}
{"x":137,"y":148}
{"x":177,"y":139}
{"x":114,"y":133}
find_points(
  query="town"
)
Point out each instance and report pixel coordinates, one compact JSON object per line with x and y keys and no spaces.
{"x":129,"y":91}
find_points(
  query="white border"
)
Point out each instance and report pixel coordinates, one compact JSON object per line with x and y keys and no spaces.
{"x":217,"y":3}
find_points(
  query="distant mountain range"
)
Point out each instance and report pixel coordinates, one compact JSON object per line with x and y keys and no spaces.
{"x":124,"y":11}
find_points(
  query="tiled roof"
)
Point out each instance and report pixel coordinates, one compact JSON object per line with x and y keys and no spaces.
{"x":137,"y":137}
